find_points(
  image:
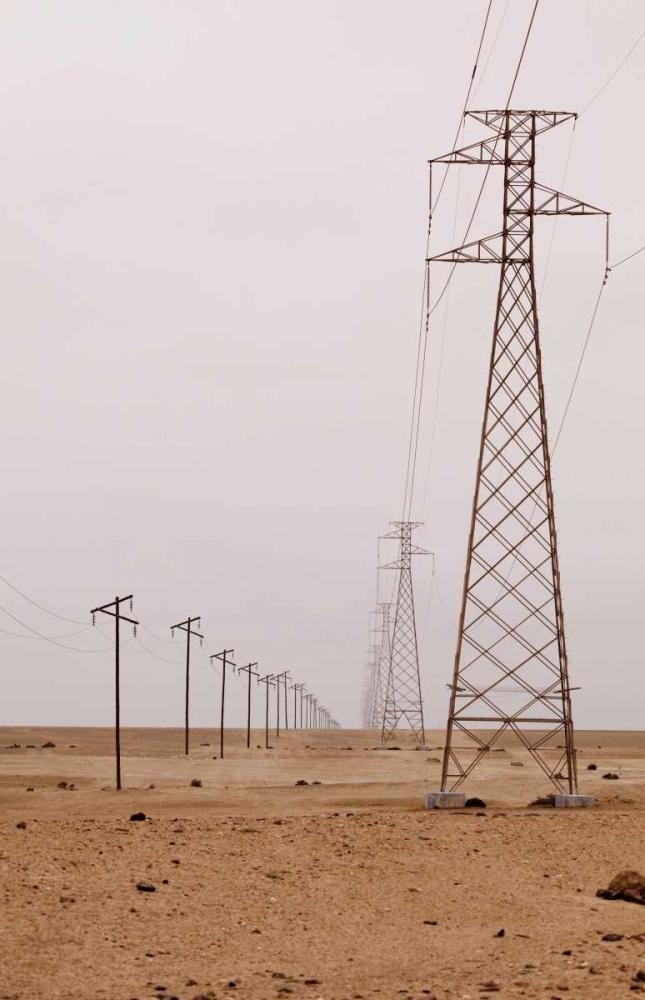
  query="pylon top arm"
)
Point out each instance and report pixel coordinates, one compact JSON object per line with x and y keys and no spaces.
{"x":544,"y":120}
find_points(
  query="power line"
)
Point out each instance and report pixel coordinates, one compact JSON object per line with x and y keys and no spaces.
{"x":53,"y":639}
{"x":492,"y":48}
{"x":625,"y":259}
{"x":519,"y":64}
{"x":468,"y":93}
{"x":582,"y":357}
{"x":47,"y":611}
{"x":616,"y":71}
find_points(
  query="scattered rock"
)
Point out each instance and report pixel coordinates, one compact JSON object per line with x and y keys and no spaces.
{"x":14,"y":746}
{"x":21,"y":825}
{"x":196,"y":783}
{"x":146,"y":887}
{"x":312,"y":982}
{"x":628,"y":885}
{"x":393,"y":748}
{"x":137,"y":817}
{"x":431,"y":923}
{"x":612,"y":937}
{"x":475,"y":803}
{"x":544,"y":800}
{"x":191,"y":982}
{"x":316,"y":782}
{"x":30,"y":746}
{"x":640,"y":976}
{"x":48,"y":745}
{"x":61,"y":784}
{"x":204,"y":744}
{"x":517,"y":763}
{"x":301,"y":781}
{"x":610,"y":776}
{"x":592,"y":767}
{"x":500,"y":933}
{"x":67,"y":899}
{"x":72,"y":746}
{"x":151,"y":786}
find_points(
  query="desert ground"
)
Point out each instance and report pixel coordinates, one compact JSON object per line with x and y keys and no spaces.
{"x":341,"y":890}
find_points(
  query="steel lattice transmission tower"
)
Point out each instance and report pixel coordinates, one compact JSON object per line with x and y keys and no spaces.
{"x":511,"y":670}
{"x":403,"y":699}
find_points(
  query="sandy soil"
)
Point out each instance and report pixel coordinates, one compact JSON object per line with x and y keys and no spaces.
{"x":341,"y":890}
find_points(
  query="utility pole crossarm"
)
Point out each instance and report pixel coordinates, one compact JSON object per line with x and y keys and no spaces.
{"x":105,"y":609}
{"x":187,"y":626}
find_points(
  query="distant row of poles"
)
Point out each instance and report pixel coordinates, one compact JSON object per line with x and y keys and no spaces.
{"x":312,"y":714}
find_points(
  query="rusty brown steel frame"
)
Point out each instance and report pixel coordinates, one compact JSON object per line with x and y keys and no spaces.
{"x":511,"y":669}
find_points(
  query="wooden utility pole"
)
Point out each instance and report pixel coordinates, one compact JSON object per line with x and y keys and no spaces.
{"x":187,"y":628}
{"x":223,"y":658}
{"x":118,"y":617}
{"x":268,"y":681}
{"x":251,"y":672}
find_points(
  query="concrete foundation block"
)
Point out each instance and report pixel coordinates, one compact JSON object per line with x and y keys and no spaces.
{"x":574,"y":801}
{"x":445,"y":800}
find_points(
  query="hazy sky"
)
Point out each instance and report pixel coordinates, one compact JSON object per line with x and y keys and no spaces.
{"x":213,"y":225}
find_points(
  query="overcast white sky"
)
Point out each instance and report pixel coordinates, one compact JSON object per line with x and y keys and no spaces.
{"x":212,"y":221}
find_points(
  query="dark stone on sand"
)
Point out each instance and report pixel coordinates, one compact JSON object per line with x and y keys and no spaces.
{"x":475,"y":803}
{"x":610,"y":776}
{"x":196,"y":783}
{"x":48,"y":745}
{"x":61,"y":784}
{"x":146,"y":887}
{"x":301,"y":781}
{"x":612,"y":937}
{"x":137,"y":817}
{"x":628,"y":885}
{"x":500,"y":933}
{"x":21,"y":825}
{"x":592,"y":767}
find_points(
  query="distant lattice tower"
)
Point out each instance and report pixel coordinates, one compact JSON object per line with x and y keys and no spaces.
{"x":380,"y":654}
{"x":403,"y":708}
{"x":511,"y":669}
